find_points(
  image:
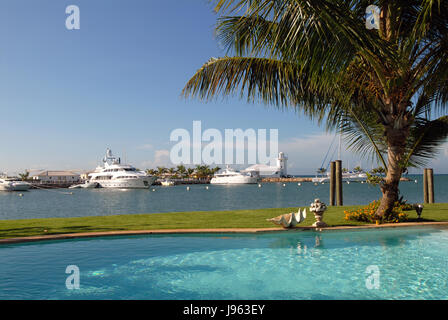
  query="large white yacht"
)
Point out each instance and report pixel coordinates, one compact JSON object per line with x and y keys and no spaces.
{"x":114,"y":174}
{"x":230,"y":176}
{"x":13,"y":184}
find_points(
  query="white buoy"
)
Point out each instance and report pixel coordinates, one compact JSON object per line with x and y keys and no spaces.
{"x":20,"y":194}
{"x":362,"y":181}
{"x":284,"y":185}
{"x":188,"y":188}
{"x":259,"y":185}
{"x":323,"y":182}
{"x":206,"y":187}
{"x":299,"y":184}
{"x":348,"y":182}
{"x":315,"y":183}
{"x":416,"y":181}
{"x":153,"y":190}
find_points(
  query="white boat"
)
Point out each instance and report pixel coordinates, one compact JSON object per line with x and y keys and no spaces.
{"x":167,"y":183}
{"x":13,"y":184}
{"x":114,"y":174}
{"x":346,"y":176}
{"x":86,"y":185}
{"x":230,"y":176}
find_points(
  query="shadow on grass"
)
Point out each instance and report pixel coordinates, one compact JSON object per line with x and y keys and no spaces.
{"x":420,"y":220}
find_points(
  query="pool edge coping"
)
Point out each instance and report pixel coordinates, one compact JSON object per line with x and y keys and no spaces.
{"x":66,"y":236}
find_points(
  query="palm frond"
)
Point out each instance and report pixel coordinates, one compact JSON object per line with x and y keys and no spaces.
{"x":364,"y":134}
{"x":270,"y":81}
{"x":425,"y":140}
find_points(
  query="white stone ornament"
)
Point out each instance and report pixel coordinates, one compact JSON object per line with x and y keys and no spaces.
{"x":289,"y":220}
{"x":318,"y":208}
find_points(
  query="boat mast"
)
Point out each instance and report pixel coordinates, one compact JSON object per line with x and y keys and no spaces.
{"x":339,"y":151}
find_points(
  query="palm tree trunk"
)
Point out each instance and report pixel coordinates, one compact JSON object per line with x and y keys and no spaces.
{"x":396,"y":149}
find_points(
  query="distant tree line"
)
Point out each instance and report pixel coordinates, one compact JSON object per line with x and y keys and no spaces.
{"x":181,"y":172}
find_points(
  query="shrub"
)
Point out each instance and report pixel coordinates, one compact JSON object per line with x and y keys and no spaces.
{"x":368,"y":213}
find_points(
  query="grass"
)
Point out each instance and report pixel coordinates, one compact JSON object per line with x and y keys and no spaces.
{"x":334,"y":216}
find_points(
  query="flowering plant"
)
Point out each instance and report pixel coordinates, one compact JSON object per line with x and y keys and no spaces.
{"x":368,"y":214}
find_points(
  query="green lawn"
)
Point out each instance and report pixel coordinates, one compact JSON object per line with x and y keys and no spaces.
{"x":334,"y":216}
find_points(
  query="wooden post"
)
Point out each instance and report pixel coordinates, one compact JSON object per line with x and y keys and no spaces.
{"x":430,"y":188}
{"x":425,"y":186}
{"x":332,"y":183}
{"x":339,"y":201}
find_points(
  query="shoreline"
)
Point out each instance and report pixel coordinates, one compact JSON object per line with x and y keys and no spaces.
{"x":235,"y":221}
{"x":67,"y":236}
{"x":191,"y":181}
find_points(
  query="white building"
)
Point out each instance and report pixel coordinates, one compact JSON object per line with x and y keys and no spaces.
{"x":56,"y":177}
{"x":265,"y":171}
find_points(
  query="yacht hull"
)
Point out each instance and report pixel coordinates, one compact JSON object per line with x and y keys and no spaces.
{"x":139,"y":183}
{"x":15,"y":187}
{"x":234,"y":180}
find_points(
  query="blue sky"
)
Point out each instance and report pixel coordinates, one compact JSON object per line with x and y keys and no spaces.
{"x":65,"y":96}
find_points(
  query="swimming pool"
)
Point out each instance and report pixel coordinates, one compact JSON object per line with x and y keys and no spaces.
{"x":392,"y":263}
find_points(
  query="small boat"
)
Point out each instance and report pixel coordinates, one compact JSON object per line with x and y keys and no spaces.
{"x":167,"y":183}
{"x":86,"y":185}
{"x":13,"y":184}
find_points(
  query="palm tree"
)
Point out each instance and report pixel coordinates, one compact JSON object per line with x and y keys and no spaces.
{"x":383,"y":89}
{"x":181,"y":170}
{"x":190,"y":172}
{"x":25,"y":175}
{"x":151,"y":172}
{"x":321,"y":171}
{"x":202,"y":171}
{"x":161,"y":170}
{"x":357,"y":169}
{"x":378,"y":171}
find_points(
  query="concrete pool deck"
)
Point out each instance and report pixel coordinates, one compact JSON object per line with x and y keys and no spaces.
{"x":211,"y":230}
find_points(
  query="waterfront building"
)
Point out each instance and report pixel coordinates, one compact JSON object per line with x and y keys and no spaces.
{"x":56,"y":177}
{"x":266,"y":171}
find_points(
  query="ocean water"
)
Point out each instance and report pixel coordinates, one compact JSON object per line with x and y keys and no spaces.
{"x":398,"y":263}
{"x":100,"y":202}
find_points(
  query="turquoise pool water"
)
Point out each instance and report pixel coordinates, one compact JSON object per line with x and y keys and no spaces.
{"x":412,"y":264}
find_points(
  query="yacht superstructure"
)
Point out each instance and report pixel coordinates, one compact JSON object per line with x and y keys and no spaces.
{"x":230,"y":176}
{"x":114,"y":174}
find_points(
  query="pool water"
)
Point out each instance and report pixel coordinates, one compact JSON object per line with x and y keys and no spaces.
{"x":412,"y":263}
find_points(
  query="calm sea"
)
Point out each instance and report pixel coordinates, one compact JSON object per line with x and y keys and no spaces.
{"x":100,"y":202}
